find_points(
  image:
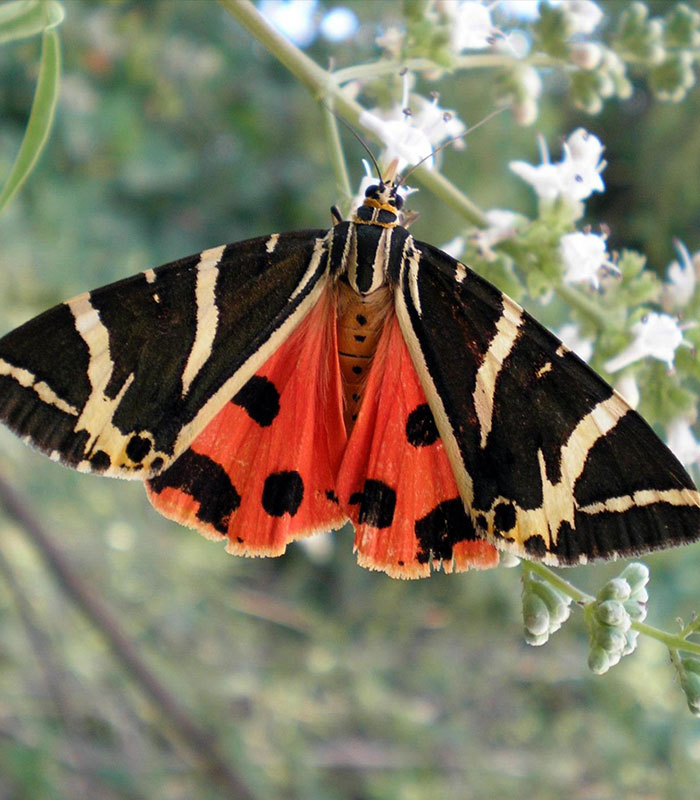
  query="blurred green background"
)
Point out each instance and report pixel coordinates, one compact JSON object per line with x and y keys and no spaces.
{"x":175,"y":131}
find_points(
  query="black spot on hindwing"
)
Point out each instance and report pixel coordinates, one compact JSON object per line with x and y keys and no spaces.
{"x":206,"y":482}
{"x":440,"y":530}
{"x":504,"y":517}
{"x":100,"y":461}
{"x":283,"y":493}
{"x":377,"y":504}
{"x":421,"y":430}
{"x":138,"y":448}
{"x":260,"y":399}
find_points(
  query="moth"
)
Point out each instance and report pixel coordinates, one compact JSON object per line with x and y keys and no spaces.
{"x":277,"y":387}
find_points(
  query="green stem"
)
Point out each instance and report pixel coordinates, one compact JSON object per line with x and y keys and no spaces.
{"x":377,"y":69}
{"x":584,"y":305}
{"x":342,"y":181}
{"x":323,"y":86}
{"x":672,"y":641}
{"x":558,"y":582}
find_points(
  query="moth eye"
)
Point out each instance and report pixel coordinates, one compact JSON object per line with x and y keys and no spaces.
{"x":398,"y":202}
{"x":371,"y":191}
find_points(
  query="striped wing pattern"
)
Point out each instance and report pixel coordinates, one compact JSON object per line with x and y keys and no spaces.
{"x":551,"y":462}
{"x":217,"y":379}
{"x":121,"y":379}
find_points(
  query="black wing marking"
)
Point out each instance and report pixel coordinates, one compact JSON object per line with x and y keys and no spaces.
{"x":121,"y":379}
{"x":550,"y":461}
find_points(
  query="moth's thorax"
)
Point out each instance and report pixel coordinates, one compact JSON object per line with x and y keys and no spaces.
{"x":376,"y":212}
{"x":361,"y":319}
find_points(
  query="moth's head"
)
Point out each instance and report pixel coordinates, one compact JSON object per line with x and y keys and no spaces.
{"x":384,"y":195}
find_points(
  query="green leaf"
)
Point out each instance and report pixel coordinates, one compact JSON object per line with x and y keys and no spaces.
{"x":20,"y":19}
{"x":40,"y":119}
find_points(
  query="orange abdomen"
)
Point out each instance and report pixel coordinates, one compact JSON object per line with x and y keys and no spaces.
{"x":361,"y":320}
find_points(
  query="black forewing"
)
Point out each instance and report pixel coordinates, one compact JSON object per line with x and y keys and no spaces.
{"x":552,"y":422}
{"x":136,"y":337}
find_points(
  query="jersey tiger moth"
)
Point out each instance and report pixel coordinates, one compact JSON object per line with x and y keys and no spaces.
{"x":277,"y":387}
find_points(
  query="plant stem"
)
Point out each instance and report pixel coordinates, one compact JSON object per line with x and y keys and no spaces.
{"x":323,"y":86}
{"x":558,"y":582}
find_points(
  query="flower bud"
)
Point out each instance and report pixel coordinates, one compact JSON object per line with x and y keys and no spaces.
{"x":535,"y":615}
{"x":616,"y":589}
{"x":612,"y":612}
{"x":598,"y":661}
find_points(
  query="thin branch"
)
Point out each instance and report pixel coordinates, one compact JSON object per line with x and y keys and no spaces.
{"x":198,"y":740}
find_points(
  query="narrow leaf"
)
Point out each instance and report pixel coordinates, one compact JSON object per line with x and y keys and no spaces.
{"x":40,"y":119}
{"x":20,"y":19}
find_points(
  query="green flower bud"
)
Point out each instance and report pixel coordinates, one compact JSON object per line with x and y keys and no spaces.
{"x":612,"y":612}
{"x":616,"y":589}
{"x":639,"y":38}
{"x":535,"y":615}
{"x":690,"y":682}
{"x":671,"y":79}
{"x":636,"y":574}
{"x":598,"y":661}
{"x":536,"y":640}
{"x":682,"y":27}
{"x":612,"y":640}
{"x":631,"y":638}
{"x":691,"y":664}
{"x":637,"y":611}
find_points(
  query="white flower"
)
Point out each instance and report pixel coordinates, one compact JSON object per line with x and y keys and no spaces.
{"x":575,"y":177}
{"x":294,"y":18}
{"x":502,"y":225}
{"x":401,"y":138}
{"x":437,"y":123}
{"x":681,"y":440}
{"x":655,"y":335}
{"x":627,"y":387}
{"x":471,"y":27}
{"x":319,"y":548}
{"x":412,"y":137}
{"x":338,"y":24}
{"x":584,"y":255}
{"x":526,"y":10}
{"x":583,"y":16}
{"x":682,"y":279}
{"x":455,"y":247}
{"x":570,"y":335}
{"x":585,"y":148}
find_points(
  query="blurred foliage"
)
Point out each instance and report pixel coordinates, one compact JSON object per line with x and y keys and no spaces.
{"x":175,"y":131}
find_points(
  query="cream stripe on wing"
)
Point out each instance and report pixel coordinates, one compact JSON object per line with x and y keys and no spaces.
{"x":558,"y":499}
{"x":207,"y":314}
{"x":644,"y":497}
{"x":247,"y":370}
{"x":507,"y":330}
{"x":46,"y":394}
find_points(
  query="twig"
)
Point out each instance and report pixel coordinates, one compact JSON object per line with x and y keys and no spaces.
{"x":198,"y":741}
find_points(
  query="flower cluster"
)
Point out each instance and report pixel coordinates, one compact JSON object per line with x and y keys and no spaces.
{"x":609,"y":619}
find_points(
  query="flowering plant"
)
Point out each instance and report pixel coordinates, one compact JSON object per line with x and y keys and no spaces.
{"x":623,"y":318}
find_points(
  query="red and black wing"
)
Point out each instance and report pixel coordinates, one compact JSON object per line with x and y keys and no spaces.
{"x":551,"y":463}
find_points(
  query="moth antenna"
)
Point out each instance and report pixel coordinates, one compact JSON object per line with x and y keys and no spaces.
{"x":364,"y":144}
{"x":449,"y":141}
